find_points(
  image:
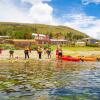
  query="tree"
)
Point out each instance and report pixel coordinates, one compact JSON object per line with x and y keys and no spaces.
{"x":50,"y":35}
{"x":27,"y":36}
{"x":58,"y":35}
{"x":70,"y":36}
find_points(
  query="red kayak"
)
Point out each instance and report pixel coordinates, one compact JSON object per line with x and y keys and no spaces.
{"x":69,"y":58}
{"x":75,"y":59}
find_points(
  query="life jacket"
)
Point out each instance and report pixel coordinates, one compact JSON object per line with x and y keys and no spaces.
{"x":39,"y":50}
{"x":57,"y":52}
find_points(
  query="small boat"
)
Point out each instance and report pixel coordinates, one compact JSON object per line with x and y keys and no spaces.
{"x":69,"y":58}
{"x":78,"y":59}
{"x":89,"y":59}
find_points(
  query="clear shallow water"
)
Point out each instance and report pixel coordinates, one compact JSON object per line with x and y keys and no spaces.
{"x":45,"y":80}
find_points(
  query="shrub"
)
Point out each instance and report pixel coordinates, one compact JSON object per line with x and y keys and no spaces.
{"x":7,"y":46}
{"x":45,"y":46}
{"x":34,"y":47}
{"x":92,"y":45}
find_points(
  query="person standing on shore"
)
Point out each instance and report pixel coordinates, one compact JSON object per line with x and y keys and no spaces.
{"x":60,"y":53}
{"x":57,"y":50}
{"x":11,"y":52}
{"x":26,"y":52}
{"x":39,"y":51}
{"x":48,"y":51}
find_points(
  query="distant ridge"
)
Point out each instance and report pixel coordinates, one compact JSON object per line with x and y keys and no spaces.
{"x":11,"y":27}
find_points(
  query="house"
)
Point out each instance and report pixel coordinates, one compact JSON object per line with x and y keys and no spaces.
{"x":58,"y":41}
{"x":98,"y":44}
{"x":2,"y":39}
{"x":41,"y":38}
{"x":89,"y":41}
{"x":44,"y":39}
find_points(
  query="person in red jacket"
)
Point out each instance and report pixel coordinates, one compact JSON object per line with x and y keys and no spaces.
{"x":57,"y":51}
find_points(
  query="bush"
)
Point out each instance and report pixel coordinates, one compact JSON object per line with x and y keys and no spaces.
{"x":7,"y":46}
{"x":92,"y":45}
{"x":34,"y":47}
{"x":45,"y":46}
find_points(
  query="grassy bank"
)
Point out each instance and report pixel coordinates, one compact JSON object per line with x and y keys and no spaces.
{"x":64,"y":47}
{"x":86,"y":48}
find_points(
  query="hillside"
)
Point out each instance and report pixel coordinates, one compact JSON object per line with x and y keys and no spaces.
{"x":18,"y":30}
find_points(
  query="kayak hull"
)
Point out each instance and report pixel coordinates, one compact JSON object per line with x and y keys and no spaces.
{"x":88,"y":59}
{"x":78,"y":59}
{"x":68,"y":58}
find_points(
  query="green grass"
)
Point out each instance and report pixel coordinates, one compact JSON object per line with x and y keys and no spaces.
{"x":82,"y":48}
{"x":77,"y":48}
{"x":86,"y":48}
{"x":6,"y":46}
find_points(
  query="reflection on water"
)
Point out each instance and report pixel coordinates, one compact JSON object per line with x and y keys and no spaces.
{"x":50,"y":80}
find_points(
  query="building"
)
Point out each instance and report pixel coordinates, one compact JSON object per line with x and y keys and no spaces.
{"x":58,"y":41}
{"x":80,"y":43}
{"x":2,"y":39}
{"x":20,"y":42}
{"x":41,"y":38}
{"x":98,"y":44}
{"x":89,"y":41}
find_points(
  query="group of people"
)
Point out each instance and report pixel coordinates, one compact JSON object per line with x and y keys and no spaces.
{"x":39,"y":52}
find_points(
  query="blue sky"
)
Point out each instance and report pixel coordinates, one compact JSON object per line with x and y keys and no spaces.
{"x":82,"y":15}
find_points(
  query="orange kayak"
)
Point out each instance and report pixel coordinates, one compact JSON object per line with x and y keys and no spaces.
{"x":89,"y":59}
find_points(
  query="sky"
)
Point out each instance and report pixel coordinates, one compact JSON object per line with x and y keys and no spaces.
{"x":82,"y":15}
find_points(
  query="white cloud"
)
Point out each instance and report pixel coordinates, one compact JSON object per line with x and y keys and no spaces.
{"x":35,"y":1}
{"x":10,"y":13}
{"x":86,"y":2}
{"x":87,"y":24}
{"x":41,"y":12}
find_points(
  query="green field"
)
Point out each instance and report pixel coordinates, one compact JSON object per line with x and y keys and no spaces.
{"x":86,"y":48}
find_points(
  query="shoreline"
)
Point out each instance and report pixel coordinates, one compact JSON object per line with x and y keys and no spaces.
{"x":19,"y":55}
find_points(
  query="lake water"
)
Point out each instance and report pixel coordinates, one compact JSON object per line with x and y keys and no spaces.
{"x":50,"y":80}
